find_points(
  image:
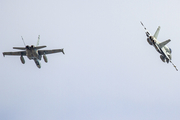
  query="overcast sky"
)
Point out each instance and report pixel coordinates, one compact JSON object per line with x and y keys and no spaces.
{"x":108,"y":72}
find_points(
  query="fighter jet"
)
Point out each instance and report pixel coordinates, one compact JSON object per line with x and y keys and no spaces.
{"x":159,"y":46}
{"x":33,"y":53}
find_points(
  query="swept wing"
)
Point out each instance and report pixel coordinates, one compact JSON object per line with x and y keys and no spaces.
{"x":162,"y":44}
{"x":41,"y":52}
{"x":157,"y":32}
{"x":19,"y":53}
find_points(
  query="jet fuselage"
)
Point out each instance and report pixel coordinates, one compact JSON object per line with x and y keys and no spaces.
{"x":153,"y":41}
{"x":32,"y":53}
{"x":159,"y":46}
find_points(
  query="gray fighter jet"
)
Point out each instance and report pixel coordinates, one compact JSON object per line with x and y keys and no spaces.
{"x":33,"y":53}
{"x":160,"y":46}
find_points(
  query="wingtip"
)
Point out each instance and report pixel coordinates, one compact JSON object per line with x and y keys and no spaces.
{"x":63,"y":51}
{"x":3,"y":54}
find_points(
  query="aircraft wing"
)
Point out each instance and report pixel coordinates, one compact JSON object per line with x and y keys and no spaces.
{"x":19,"y":53}
{"x":162,"y":44}
{"x":157,"y":32}
{"x":41,"y":52}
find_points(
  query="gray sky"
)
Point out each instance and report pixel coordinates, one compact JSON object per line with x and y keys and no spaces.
{"x":109,"y":71}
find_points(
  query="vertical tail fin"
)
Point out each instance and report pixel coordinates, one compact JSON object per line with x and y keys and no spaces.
{"x":38,"y":40}
{"x":157,"y":32}
{"x":23,"y":41}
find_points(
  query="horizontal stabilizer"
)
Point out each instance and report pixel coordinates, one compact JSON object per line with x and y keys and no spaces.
{"x":162,"y":44}
{"x":39,"y":47}
{"x":24,"y":48}
{"x":20,"y":48}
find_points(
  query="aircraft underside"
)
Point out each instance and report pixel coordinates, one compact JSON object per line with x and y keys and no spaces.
{"x":33,"y":53}
{"x":33,"y":56}
{"x":159,"y":46}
